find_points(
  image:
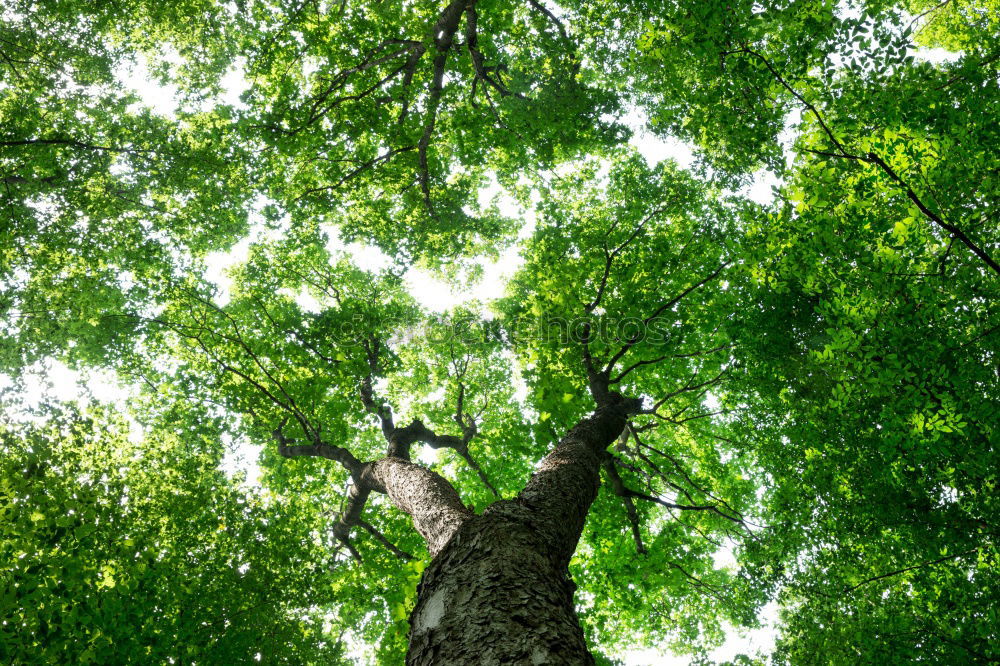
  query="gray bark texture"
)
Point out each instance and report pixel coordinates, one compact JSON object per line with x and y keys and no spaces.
{"x":432,"y":503}
{"x":499,"y":591}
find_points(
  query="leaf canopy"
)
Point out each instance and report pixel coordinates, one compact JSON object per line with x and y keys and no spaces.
{"x":818,"y":373}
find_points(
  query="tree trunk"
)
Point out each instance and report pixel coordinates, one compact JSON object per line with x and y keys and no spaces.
{"x":499,"y":591}
{"x":495,"y":596}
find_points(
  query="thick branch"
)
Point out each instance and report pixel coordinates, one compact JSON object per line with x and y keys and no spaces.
{"x":381,"y":410}
{"x":319,"y":449}
{"x":400,"y":439}
{"x":427,"y":497}
{"x":356,"y":498}
{"x":482,"y":72}
{"x":443,"y":35}
{"x":597,"y":381}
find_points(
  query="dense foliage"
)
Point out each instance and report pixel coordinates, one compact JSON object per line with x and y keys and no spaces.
{"x":143,"y":551}
{"x":819,"y":373}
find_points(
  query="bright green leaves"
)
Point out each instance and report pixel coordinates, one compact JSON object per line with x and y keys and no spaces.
{"x":614,"y":258}
{"x":696,"y":79}
{"x":125,"y":551}
{"x":823,"y":368}
{"x":102,"y":198}
{"x":456,"y":357}
{"x":290,"y":341}
{"x":967,"y":27}
{"x":874,"y":615}
{"x":633,"y":260}
{"x":881,"y":387}
{"x":389,"y":120}
{"x":683,"y":588}
{"x":878,"y":311}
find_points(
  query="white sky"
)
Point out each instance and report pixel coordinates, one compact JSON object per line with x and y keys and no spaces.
{"x":52,"y":379}
{"x":55,"y":380}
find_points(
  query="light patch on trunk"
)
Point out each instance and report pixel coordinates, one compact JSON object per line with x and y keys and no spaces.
{"x":432,"y":612}
{"x":539,"y":656}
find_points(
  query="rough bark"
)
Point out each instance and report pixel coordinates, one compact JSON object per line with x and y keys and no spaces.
{"x":495,"y":596}
{"x":499,"y":591}
{"x":560,"y":493}
{"x":428,"y":498}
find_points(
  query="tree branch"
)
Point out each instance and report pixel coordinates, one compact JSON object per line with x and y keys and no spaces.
{"x":71,"y":142}
{"x":427,"y":497}
{"x":609,"y":258}
{"x":540,"y":8}
{"x":872,"y":158}
{"x":848,"y":590}
{"x":876,"y":160}
{"x":401,"y":554}
{"x":688,"y":387}
{"x":389,"y":154}
{"x":318,"y":449}
{"x":618,"y":487}
{"x":442,"y":35}
{"x":660,"y":310}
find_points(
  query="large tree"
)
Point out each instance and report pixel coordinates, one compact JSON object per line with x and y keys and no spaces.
{"x":687,"y":405}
